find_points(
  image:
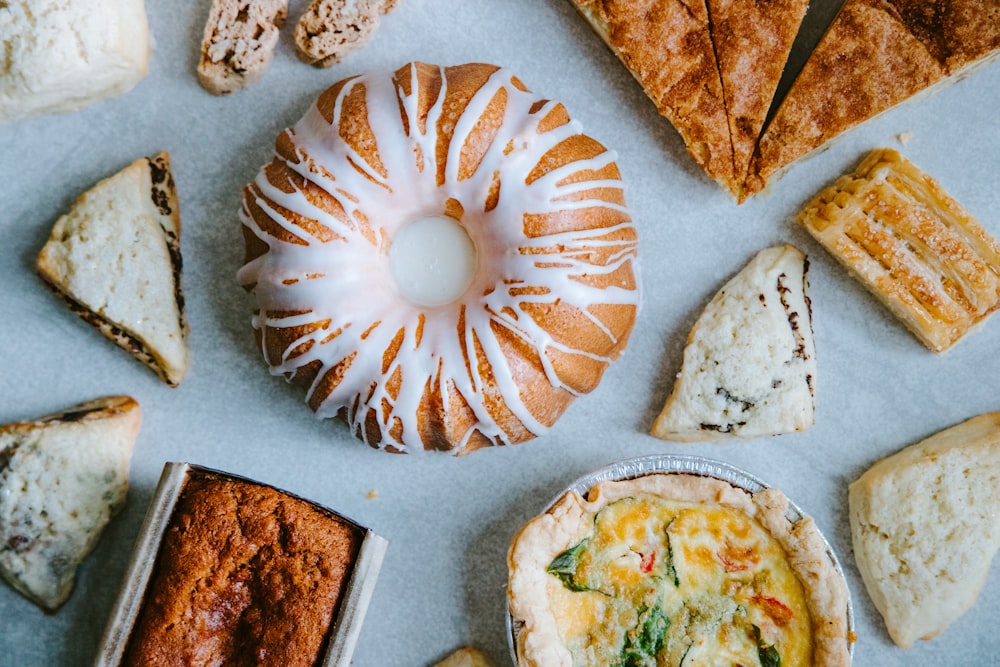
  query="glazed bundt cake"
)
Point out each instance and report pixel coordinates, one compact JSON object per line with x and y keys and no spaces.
{"x":440,"y":257}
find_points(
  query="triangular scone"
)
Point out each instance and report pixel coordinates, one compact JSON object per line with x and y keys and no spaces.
{"x":925,"y":527}
{"x":752,"y":41}
{"x":466,"y":656}
{"x":115,"y":258}
{"x":876,"y":54}
{"x":62,"y":477}
{"x":667,"y":46}
{"x":750,"y":360}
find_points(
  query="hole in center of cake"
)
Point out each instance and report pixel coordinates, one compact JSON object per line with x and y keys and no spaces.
{"x":432,"y":260}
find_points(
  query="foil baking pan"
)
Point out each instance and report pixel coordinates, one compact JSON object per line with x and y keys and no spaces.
{"x":678,"y":464}
{"x":346,"y":622}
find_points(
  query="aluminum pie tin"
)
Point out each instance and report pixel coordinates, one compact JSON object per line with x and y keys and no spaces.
{"x":680,"y":464}
{"x":346,"y":623}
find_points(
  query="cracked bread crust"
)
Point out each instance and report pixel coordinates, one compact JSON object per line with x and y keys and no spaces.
{"x":245,"y":575}
{"x":331,"y":29}
{"x":239,"y":42}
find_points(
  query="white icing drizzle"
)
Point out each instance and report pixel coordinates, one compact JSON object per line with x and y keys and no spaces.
{"x":347,"y":280}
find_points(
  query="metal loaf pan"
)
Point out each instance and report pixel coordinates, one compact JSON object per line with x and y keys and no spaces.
{"x":346,"y":623}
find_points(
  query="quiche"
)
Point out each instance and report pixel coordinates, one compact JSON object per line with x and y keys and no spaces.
{"x":671,"y":569}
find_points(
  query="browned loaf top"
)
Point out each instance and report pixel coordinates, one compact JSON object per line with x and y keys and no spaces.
{"x":246,"y":575}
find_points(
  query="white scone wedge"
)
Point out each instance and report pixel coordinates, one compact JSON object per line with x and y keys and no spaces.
{"x":917,"y":249}
{"x":467,"y":656}
{"x":331,"y":29}
{"x":239,"y":41}
{"x":925,"y":527}
{"x":115,"y":259}
{"x":62,"y":478}
{"x":750,"y":358}
{"x":61,"y":55}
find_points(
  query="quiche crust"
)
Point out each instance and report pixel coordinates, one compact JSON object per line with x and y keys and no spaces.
{"x":571,"y":519}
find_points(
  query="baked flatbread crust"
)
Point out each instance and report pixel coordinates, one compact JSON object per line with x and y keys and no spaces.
{"x":667,"y":46}
{"x":571,"y":518}
{"x":876,"y":54}
{"x":912,"y":245}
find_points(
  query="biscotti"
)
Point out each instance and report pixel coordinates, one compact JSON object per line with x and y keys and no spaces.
{"x":330,"y":29}
{"x":62,"y":478}
{"x":750,"y":360}
{"x":912,"y":245}
{"x":239,"y":42}
{"x":925,"y":527}
{"x":115,"y":259}
{"x":61,"y":55}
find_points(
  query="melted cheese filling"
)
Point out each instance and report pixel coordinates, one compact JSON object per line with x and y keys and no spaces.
{"x":664,"y":582}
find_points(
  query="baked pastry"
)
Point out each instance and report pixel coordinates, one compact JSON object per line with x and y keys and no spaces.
{"x":62,"y":55}
{"x":925,"y":527}
{"x":912,"y":245}
{"x":876,"y":54}
{"x":115,"y":259}
{"x":711,"y":67}
{"x":245,"y":575}
{"x":547,"y":296}
{"x":466,"y":656}
{"x":666,"y":566}
{"x":750,"y":360}
{"x":667,"y":46}
{"x":62,"y":478}
{"x":752,"y":41}
{"x":330,"y":29}
{"x":238,"y":44}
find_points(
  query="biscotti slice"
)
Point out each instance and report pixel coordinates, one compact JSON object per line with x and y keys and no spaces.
{"x":115,"y":259}
{"x":752,"y":41}
{"x":238,"y":44}
{"x":911,"y":244}
{"x":330,"y":29}
{"x":466,"y":656}
{"x":750,"y":359}
{"x":62,"y":478}
{"x":667,"y":47}
{"x":925,"y":527}
{"x":876,"y":54}
{"x":61,"y":55}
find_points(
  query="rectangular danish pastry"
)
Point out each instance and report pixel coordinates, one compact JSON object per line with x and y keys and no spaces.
{"x":911,"y":244}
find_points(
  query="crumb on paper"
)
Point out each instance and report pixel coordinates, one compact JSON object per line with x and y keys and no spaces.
{"x":372,"y":494}
{"x":904,"y":137}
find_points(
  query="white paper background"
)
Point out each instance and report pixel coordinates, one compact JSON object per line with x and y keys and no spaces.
{"x":450,"y":521}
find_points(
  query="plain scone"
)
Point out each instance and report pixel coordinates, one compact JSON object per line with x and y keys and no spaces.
{"x":467,"y":656}
{"x":62,"y":478}
{"x":925,"y":527}
{"x":115,"y":260}
{"x":238,"y":44}
{"x":750,"y":358}
{"x":330,"y":29}
{"x":60,"y":55}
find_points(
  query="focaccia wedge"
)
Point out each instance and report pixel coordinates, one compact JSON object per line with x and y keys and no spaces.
{"x":667,"y":47}
{"x":919,"y":251}
{"x":750,"y":360}
{"x":876,"y":54}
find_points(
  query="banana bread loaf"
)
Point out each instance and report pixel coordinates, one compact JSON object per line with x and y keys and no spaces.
{"x":245,"y":575}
